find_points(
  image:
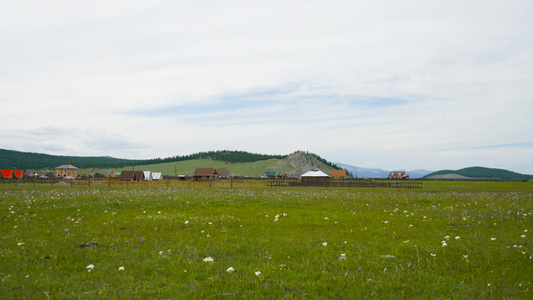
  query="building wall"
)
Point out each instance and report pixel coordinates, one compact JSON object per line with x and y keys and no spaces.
{"x":65,"y":172}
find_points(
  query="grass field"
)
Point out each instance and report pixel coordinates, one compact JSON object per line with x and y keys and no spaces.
{"x":251,"y":169}
{"x":448,"y":240}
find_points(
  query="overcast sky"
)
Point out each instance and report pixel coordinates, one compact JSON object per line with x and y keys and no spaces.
{"x":382,"y":84}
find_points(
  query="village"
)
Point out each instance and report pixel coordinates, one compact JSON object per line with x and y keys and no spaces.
{"x":69,"y":174}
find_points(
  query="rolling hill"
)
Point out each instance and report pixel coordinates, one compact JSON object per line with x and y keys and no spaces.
{"x":477,"y":173}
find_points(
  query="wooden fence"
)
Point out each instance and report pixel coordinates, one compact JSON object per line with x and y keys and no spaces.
{"x":219,"y":183}
{"x":411,"y":184}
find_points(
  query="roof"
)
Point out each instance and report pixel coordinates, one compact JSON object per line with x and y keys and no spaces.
{"x":18,"y":173}
{"x":338,"y":172}
{"x":66,"y":167}
{"x":205,"y":172}
{"x":139,"y":175}
{"x":157,"y":176}
{"x":147,"y":174}
{"x":223,"y":172}
{"x":315,"y":173}
{"x":6,"y":173}
{"x":397,"y":173}
{"x":126,"y":175}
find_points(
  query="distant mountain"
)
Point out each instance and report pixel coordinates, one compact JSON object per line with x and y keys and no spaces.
{"x":478,"y":173}
{"x":380,"y":173}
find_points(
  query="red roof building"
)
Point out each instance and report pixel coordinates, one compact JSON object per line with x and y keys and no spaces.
{"x":7,"y":173}
{"x":18,"y":174}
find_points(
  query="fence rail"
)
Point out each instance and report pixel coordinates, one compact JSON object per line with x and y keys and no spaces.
{"x":220,"y":183}
{"x":411,"y":184}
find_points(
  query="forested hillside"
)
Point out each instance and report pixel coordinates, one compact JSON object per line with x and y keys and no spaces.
{"x":35,"y":161}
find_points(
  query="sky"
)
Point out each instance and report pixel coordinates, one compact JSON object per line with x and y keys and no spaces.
{"x":411,"y":84}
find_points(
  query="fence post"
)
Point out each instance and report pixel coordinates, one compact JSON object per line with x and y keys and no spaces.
{"x":168,"y":183}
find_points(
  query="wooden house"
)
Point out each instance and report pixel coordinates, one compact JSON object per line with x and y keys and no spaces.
{"x":338,"y":174}
{"x":66,"y":171}
{"x":205,"y":174}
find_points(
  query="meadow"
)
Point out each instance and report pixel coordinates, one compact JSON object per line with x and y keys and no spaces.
{"x":447,"y":240}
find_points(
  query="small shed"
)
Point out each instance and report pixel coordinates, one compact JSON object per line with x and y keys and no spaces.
{"x":398,"y":175}
{"x":205,"y":174}
{"x":315,"y":177}
{"x":338,"y":174}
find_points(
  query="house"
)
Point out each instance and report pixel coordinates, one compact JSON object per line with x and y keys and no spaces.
{"x":204,"y":174}
{"x":66,"y":171}
{"x":157,"y":176}
{"x":223,"y":173}
{"x":315,"y":177}
{"x":271,"y":174}
{"x":398,"y":175}
{"x":338,"y":174}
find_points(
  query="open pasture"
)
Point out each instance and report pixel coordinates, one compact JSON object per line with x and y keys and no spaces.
{"x":448,"y":240}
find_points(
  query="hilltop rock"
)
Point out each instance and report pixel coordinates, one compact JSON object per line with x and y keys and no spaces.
{"x":302,"y":163}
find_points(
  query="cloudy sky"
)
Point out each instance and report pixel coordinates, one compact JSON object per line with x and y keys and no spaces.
{"x":381,"y":84}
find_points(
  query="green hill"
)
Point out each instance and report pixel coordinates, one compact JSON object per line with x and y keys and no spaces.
{"x":478,"y":173}
{"x":37,"y":161}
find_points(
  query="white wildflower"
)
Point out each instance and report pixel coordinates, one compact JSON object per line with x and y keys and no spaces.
{"x":89,"y":267}
{"x":121,"y":268}
{"x":523,"y":236}
{"x":230,"y":270}
{"x":209,"y":259}
{"x":457,"y":237}
{"x":493,"y":239}
{"x":257,"y":273}
{"x":325,"y":244}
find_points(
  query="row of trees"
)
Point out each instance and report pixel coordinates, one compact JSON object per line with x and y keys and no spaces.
{"x":36,"y":161}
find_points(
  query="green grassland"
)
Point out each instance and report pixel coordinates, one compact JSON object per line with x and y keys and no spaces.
{"x":251,"y":169}
{"x":447,"y":240}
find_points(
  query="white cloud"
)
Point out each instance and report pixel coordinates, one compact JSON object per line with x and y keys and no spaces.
{"x":411,"y":84}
